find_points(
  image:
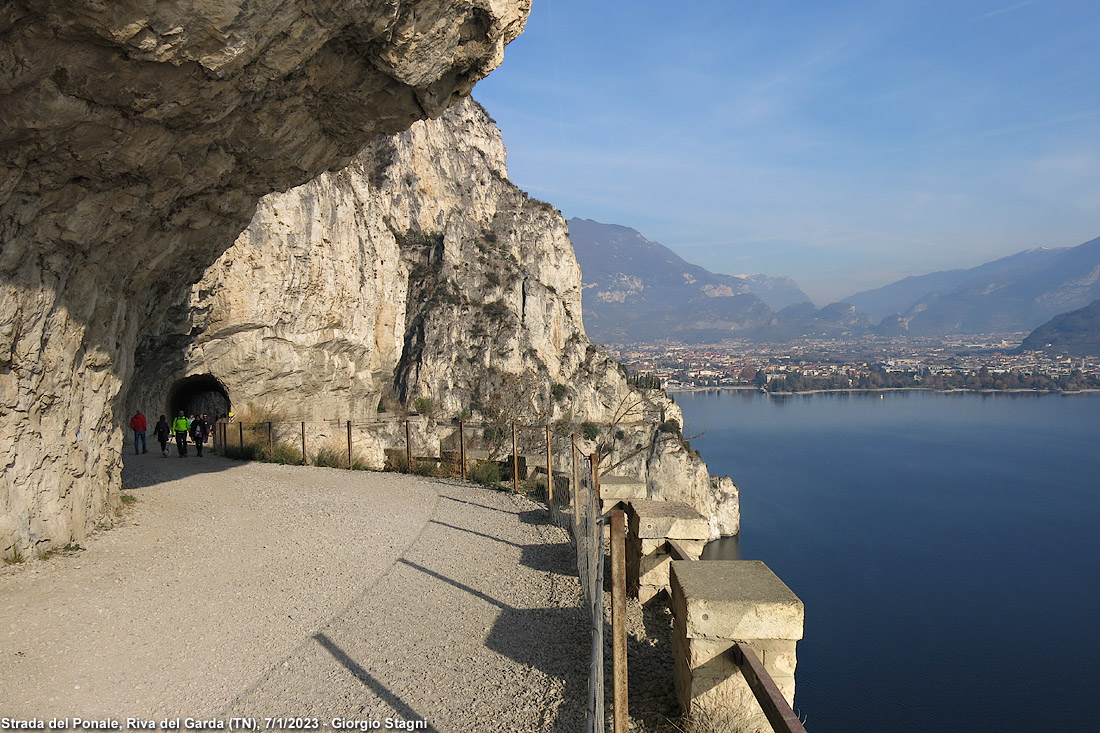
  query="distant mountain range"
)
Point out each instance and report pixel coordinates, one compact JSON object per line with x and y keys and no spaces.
{"x":1015,"y":293}
{"x":638,"y":290}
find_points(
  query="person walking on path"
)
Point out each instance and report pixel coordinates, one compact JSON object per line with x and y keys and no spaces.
{"x":200,"y":428}
{"x":139,"y":426}
{"x":180,"y":426}
{"x":163,"y":430}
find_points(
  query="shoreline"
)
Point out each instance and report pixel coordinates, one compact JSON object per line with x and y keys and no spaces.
{"x":878,"y":390}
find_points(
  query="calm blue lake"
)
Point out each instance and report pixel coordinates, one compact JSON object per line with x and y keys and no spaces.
{"x":947,"y":548}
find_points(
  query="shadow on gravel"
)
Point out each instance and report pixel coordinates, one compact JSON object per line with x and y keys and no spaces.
{"x":384,"y":693}
{"x":554,"y":641}
{"x":652,"y":691}
{"x":559,"y":559}
{"x":536,"y":517}
{"x":542,"y":557}
{"x":142,"y":471}
{"x":474,"y":532}
{"x":450,"y":581}
{"x":474,"y":503}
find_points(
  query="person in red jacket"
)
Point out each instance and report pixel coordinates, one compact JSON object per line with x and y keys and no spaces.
{"x":138,"y":425}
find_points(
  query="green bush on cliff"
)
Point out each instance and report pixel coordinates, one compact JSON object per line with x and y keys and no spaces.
{"x":486,"y":472}
{"x":671,"y":425}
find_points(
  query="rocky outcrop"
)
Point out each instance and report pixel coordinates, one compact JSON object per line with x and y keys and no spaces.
{"x":136,"y":137}
{"x":419,"y":271}
{"x":1076,"y":333}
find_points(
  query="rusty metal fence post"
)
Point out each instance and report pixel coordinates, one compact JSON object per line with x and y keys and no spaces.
{"x":620,"y":714}
{"x":595,"y":459}
{"x":351,"y":465}
{"x":240,"y":435}
{"x":408,"y":448}
{"x":270,"y":440}
{"x":549,"y":474}
{"x":305,"y":456}
{"x":462,"y":448}
{"x":576,"y":482}
{"x":515,"y":461}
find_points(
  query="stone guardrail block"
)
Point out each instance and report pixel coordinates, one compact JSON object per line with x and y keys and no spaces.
{"x":615,"y":489}
{"x":651,"y":519}
{"x":652,"y":524}
{"x":736,"y":600}
{"x":717,"y":604}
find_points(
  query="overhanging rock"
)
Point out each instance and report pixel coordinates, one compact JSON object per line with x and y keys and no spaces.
{"x":135,"y":140}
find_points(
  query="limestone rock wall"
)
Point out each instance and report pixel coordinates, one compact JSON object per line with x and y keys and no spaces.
{"x":135,"y":139}
{"x":417,"y":271}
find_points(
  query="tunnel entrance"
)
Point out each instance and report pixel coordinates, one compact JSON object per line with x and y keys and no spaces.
{"x":197,"y":395}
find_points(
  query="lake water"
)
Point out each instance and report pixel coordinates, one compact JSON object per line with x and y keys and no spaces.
{"x":947,"y":548}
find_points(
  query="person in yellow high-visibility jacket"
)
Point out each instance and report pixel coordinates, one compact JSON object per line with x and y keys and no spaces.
{"x":179,"y":427}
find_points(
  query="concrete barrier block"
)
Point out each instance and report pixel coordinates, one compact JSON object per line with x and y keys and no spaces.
{"x":729,"y":706}
{"x":651,"y":519}
{"x":693,"y":548}
{"x":785,"y":683}
{"x":649,"y":563}
{"x":657,"y":577}
{"x":711,"y":653}
{"x":619,"y":488}
{"x":778,"y":655}
{"x":740,"y":600}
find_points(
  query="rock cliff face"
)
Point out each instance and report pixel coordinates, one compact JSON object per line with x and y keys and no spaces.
{"x":135,"y":139}
{"x":419,"y":271}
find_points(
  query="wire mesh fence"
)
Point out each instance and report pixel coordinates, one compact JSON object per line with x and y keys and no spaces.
{"x":519,"y":453}
{"x":587,"y":525}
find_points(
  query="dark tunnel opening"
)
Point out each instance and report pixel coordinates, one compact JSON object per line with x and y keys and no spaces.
{"x":199,"y":394}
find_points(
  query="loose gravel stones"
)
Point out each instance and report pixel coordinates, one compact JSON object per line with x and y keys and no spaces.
{"x":265,"y":591}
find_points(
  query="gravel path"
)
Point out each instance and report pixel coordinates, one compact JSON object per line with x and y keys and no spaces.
{"x":257,"y":590}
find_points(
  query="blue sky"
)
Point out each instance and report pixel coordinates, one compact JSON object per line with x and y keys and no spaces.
{"x":845,"y":144}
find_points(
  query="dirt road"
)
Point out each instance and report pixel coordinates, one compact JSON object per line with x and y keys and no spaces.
{"x":263,"y":591}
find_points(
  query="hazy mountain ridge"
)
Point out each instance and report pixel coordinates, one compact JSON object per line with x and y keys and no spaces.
{"x":835,"y":320}
{"x":639,"y":290}
{"x":1014,"y":293}
{"x":776,"y":291}
{"x":898,"y":297}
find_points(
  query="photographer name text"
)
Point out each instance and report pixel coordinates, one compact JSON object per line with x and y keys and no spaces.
{"x":231,"y":724}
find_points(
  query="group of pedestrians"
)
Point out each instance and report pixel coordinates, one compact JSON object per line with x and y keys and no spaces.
{"x":181,"y":427}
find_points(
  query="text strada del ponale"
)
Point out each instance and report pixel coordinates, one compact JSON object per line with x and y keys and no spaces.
{"x":127,"y":724}
{"x":231,"y":724}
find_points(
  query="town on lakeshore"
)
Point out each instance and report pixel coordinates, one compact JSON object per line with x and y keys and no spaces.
{"x":972,"y":361}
